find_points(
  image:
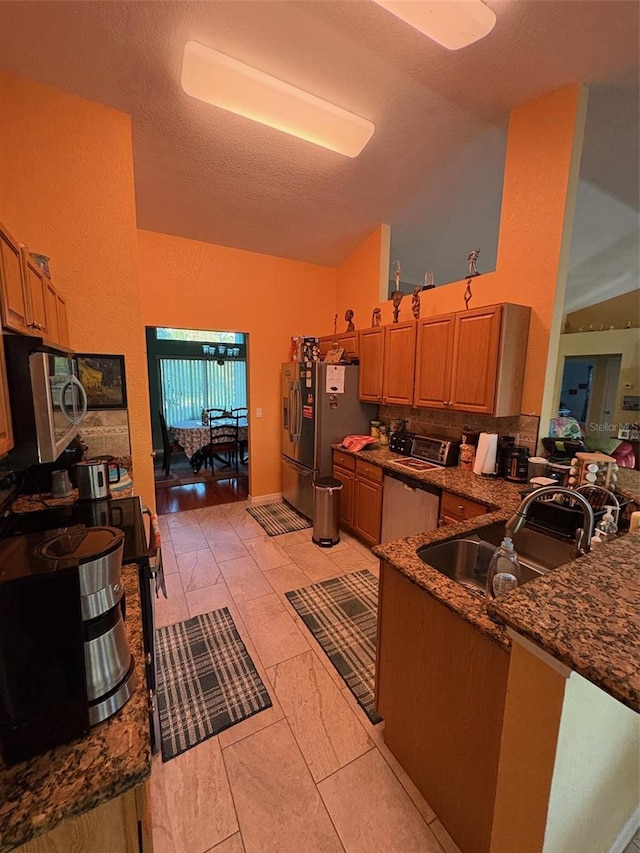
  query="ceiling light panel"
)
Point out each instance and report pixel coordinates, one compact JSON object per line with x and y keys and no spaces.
{"x":452,"y":23}
{"x":218,"y":79}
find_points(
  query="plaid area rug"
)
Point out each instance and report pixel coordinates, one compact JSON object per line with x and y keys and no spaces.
{"x":342,"y":614}
{"x":206,"y":681}
{"x":278,"y":518}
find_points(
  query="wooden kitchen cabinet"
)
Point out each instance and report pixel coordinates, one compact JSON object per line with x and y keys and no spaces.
{"x":35,"y":283}
{"x":122,"y":824}
{"x":440,"y":687}
{"x":13,"y":291}
{"x":453,"y":508}
{"x":367,"y":511}
{"x":399,"y":362}
{"x":6,"y":427}
{"x":344,"y":470}
{"x":348,"y":341}
{"x":51,"y":310}
{"x":473,"y":361}
{"x":361,"y":496}
{"x":63,"y":323}
{"x":370,"y":376}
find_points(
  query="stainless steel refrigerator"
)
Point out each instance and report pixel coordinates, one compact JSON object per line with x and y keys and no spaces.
{"x":320,"y":406}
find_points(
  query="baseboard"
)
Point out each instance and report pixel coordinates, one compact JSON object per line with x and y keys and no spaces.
{"x":265,"y":499}
{"x":627,"y":832}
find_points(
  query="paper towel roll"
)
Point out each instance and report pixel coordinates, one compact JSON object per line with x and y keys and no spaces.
{"x":486,"y":454}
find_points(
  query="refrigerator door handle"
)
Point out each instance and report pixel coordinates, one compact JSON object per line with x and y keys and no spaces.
{"x":297,"y":409}
{"x":301,"y":469}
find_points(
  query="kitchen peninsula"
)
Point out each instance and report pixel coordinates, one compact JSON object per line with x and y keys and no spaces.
{"x":81,"y":793}
{"x":490,"y":715}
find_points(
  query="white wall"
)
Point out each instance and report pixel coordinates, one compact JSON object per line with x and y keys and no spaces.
{"x":596,"y":778}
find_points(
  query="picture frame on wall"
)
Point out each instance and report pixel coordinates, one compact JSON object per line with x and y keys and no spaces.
{"x":103,"y":379}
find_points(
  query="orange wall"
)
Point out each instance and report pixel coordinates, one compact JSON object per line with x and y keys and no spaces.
{"x":355,"y":276}
{"x":66,"y":189}
{"x":193,"y":285}
{"x":537,"y":176}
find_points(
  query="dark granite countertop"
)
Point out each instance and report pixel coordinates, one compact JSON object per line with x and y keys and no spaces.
{"x":585,"y":614}
{"x":115,"y":756}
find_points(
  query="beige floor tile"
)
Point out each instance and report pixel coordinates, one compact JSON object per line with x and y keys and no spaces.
{"x":446,"y":841}
{"x":196,"y":793}
{"x":214,"y":598}
{"x":358,"y":546}
{"x":244,"y":524}
{"x":163,"y":524}
{"x":169,"y":562}
{"x":244,"y":579}
{"x":286,"y":578}
{"x":373,"y":730}
{"x":401,"y":775}
{"x":349,"y":559}
{"x":327,"y":732}
{"x":226,"y":545}
{"x":372,"y":811}
{"x":296,"y":537}
{"x":312,"y":560}
{"x":198,"y":569}
{"x":316,"y":648}
{"x":272,"y":630}
{"x":174,"y":607}
{"x":258,"y":721}
{"x":278,"y":806}
{"x":267,"y":552}
{"x":233,"y":844}
{"x":215,"y":524}
{"x":182,"y":519}
{"x":188,"y":537}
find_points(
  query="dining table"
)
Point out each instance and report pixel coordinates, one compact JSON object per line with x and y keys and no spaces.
{"x":192,"y":435}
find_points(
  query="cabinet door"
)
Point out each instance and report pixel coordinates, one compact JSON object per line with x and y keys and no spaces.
{"x":349,"y":342}
{"x":475,"y":359}
{"x":51,"y":311}
{"x":399,"y":362}
{"x":6,"y":431}
{"x":368,"y":510}
{"x":346,"y":495}
{"x":15,"y":307}
{"x":34,"y":278}
{"x":324,"y":344}
{"x":63,"y":325}
{"x":371,"y":349}
{"x":434,"y":351}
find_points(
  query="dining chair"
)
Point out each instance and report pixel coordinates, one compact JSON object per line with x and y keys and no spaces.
{"x":242,"y":420}
{"x":223,"y":439}
{"x":169,"y":445}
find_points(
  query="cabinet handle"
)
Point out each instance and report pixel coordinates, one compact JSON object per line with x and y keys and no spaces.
{"x":460,"y":508}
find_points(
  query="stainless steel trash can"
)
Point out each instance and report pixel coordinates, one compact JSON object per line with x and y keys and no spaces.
{"x":326,"y":511}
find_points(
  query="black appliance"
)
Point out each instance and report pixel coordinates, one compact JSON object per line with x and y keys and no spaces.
{"x":504,"y":450}
{"x":400,"y":442}
{"x":141,"y":546}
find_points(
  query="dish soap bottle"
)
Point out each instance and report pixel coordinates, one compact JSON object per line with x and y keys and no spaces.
{"x":504,"y":572}
{"x":607,"y":527}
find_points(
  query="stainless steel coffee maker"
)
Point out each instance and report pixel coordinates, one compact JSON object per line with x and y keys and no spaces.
{"x":93,"y":479}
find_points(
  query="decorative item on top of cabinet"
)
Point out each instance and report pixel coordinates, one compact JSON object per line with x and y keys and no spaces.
{"x":473,"y":361}
{"x":415,"y":302}
{"x":396,"y":298}
{"x":376,"y":318}
{"x":348,"y":316}
{"x":13,"y":291}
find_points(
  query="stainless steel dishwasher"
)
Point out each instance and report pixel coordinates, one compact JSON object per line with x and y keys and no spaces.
{"x":408,"y":507}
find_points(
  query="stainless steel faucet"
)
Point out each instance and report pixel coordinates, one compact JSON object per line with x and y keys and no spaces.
{"x":583,"y":535}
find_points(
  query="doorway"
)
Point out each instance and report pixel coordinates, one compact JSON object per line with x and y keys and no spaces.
{"x":196,"y":376}
{"x":589,"y":389}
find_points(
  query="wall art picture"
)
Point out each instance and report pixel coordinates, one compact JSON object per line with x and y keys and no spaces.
{"x":102,"y":377}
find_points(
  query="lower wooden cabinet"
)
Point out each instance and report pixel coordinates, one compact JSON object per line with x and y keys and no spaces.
{"x":361,"y":497}
{"x":122,"y":824}
{"x":453,"y":509}
{"x":440,"y":687}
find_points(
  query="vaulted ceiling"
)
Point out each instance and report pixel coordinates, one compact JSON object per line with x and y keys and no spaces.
{"x":209,"y":175}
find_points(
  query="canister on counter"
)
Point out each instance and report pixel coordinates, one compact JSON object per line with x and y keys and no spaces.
{"x":384,"y":435}
{"x":467,"y":457}
{"x":375,"y":429}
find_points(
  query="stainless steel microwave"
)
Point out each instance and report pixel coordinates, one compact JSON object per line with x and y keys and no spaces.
{"x":48,"y":402}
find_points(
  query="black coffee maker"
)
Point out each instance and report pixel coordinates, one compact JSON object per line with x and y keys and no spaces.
{"x":37,"y":478}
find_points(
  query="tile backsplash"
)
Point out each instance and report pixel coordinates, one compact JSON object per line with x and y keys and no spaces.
{"x":106,"y":432}
{"x":424,"y":421}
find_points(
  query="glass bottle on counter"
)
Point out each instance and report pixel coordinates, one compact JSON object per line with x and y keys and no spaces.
{"x":384,"y":435}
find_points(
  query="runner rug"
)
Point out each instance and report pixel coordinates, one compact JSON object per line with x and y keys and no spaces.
{"x":278,"y":518}
{"x":342,"y":615}
{"x":206,"y":681}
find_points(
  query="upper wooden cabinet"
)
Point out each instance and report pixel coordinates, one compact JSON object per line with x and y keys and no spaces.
{"x":63,"y":325}
{"x":473,"y":361}
{"x":348,"y":341}
{"x":399,"y":361}
{"x":371,"y":349}
{"x":35,"y":283}
{"x":13,"y":293}
{"x":6,"y":430}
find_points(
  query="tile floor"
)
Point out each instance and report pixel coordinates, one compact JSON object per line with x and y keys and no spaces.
{"x":309,"y":775}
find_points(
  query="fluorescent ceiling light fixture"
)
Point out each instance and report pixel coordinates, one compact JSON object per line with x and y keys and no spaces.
{"x":452,"y":23}
{"x":218,"y":79}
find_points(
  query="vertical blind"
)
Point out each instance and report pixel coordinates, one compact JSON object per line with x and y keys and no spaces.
{"x":189,"y":385}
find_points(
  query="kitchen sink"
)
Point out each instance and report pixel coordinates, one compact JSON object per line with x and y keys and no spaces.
{"x":466,"y":560}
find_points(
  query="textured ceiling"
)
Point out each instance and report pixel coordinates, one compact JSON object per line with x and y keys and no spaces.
{"x":209,"y":175}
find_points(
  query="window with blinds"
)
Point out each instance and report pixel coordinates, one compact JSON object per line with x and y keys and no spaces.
{"x":189,"y":385}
